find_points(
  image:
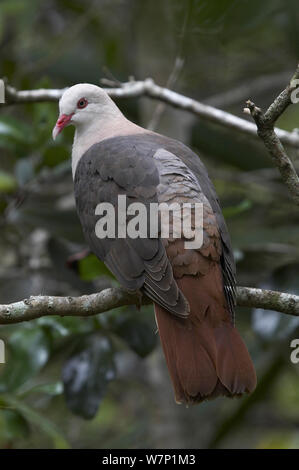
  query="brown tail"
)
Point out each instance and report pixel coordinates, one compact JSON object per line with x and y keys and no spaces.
{"x":205,"y":354}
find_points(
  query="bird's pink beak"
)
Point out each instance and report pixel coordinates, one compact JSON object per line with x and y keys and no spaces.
{"x":61,"y":123}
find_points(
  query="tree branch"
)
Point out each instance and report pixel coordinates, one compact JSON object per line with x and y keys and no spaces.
{"x":268,"y":300}
{"x":266,"y":131}
{"x":88,"y":305}
{"x":14,"y":96}
{"x":273,"y":138}
{"x":85,"y":305}
{"x":134,"y":89}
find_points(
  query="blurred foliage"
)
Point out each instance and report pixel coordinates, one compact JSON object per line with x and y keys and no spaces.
{"x":108,"y":368}
{"x":87,"y":373}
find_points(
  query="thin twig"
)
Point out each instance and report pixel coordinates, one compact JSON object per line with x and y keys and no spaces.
{"x":176,"y":70}
{"x":160,"y":108}
{"x":266,"y":131}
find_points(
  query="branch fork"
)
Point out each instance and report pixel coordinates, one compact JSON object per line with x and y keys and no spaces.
{"x":266,"y":131}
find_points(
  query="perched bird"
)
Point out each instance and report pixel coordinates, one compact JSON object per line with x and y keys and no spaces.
{"x":193,"y":290}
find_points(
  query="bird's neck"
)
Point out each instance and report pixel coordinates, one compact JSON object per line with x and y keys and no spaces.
{"x":98,"y":130}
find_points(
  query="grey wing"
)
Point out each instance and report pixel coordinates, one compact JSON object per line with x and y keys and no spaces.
{"x":137,"y":263}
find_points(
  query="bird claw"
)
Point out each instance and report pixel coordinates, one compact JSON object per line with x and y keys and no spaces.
{"x":139,"y":297}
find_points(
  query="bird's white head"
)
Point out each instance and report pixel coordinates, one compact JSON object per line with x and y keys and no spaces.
{"x":82,"y":105}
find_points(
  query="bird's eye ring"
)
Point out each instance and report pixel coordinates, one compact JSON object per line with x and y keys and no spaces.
{"x":82,"y":103}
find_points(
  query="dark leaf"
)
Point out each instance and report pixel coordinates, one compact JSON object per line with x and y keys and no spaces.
{"x":15,"y":425}
{"x":54,"y":155}
{"x":24,"y":171}
{"x":61,"y":327}
{"x":13,"y":131}
{"x":28,"y":352}
{"x":87,"y":373}
{"x":38,"y":420}
{"x":136,"y":328}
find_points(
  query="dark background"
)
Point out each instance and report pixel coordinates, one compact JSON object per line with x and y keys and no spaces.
{"x":219,"y":52}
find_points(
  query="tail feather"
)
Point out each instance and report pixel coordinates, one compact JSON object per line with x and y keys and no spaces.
{"x":205,"y":354}
{"x":234,"y":366}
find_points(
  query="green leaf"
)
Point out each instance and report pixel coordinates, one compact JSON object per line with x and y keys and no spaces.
{"x":13,"y":6}
{"x":87,"y":373}
{"x":91,"y":267}
{"x":61,"y":327}
{"x":15,"y":425}
{"x":231,"y":211}
{"x":1,"y":27}
{"x":51,"y":389}
{"x":35,"y":418}
{"x":7,"y":182}
{"x":13,"y":132}
{"x":28,"y":352}
{"x":54,"y":155}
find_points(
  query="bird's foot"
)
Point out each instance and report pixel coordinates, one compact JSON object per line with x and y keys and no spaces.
{"x":139,"y":297}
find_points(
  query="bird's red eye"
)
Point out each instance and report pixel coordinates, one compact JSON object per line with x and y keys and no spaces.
{"x":82,"y":103}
